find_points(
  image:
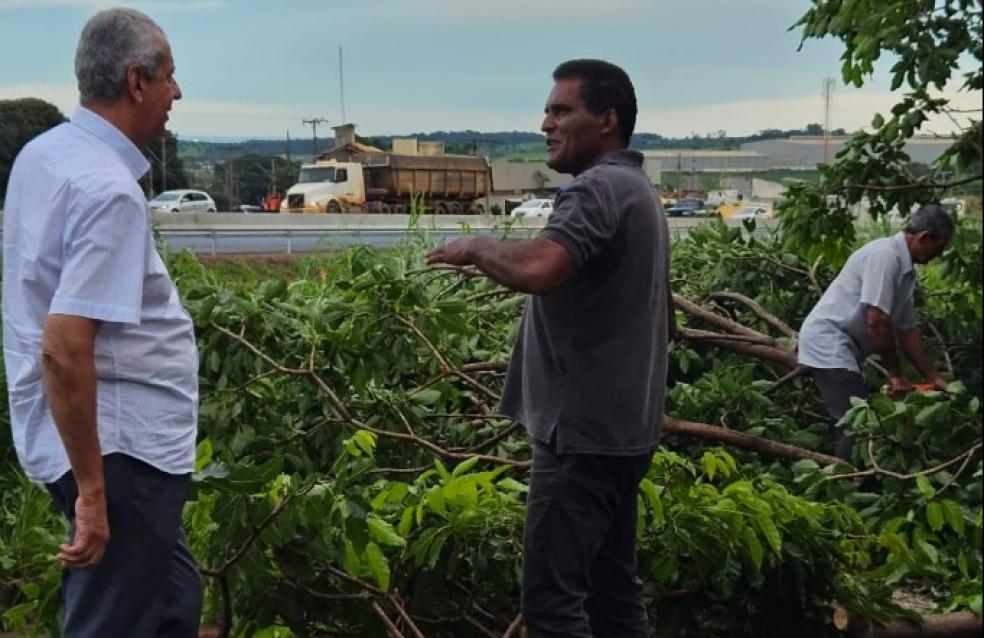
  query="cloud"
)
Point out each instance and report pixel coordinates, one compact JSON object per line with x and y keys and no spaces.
{"x":149,"y":5}
{"x":199,"y":118}
{"x":849,"y":111}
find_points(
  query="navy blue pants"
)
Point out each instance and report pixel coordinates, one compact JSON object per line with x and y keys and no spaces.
{"x":147,"y":584}
{"x":580,"y":577}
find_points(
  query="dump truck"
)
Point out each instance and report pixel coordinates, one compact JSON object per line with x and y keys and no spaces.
{"x":387,"y":183}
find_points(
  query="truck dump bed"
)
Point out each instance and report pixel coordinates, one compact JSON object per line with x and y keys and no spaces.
{"x":461,"y":177}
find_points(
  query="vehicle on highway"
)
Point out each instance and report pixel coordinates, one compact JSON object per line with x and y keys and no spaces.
{"x":752,"y":211}
{"x":533,"y":208}
{"x":182,"y":201}
{"x":389,"y":183}
{"x":685,"y":208}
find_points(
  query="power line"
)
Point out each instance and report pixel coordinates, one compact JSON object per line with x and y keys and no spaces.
{"x":314,"y":129}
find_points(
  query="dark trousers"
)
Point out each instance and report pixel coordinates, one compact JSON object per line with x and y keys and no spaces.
{"x":147,"y":584}
{"x":837,"y":386}
{"x":580,"y":578}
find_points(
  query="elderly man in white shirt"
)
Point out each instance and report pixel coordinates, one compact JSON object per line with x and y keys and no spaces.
{"x":869,"y":308}
{"x":100,"y":355}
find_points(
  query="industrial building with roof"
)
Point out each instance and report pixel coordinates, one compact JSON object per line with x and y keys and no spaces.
{"x":809,"y":149}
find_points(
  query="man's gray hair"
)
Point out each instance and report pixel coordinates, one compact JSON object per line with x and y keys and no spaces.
{"x":933,"y":218}
{"x":111,"y":41}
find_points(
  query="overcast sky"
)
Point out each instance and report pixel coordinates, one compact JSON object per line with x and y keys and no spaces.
{"x":256,"y":68}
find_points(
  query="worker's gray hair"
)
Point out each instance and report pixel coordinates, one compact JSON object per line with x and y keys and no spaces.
{"x":111,"y":41}
{"x":932,"y":218}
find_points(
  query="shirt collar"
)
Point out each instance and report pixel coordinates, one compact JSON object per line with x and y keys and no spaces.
{"x":113,"y":137}
{"x":622,"y":157}
{"x":902,"y":249}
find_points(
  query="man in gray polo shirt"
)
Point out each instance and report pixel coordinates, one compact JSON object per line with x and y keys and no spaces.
{"x":868,"y":308}
{"x":588,"y":373}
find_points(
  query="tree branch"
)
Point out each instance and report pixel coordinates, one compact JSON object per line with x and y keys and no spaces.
{"x":744,"y":441}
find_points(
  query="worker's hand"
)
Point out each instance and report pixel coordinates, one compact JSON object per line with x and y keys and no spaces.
{"x":898,"y":387}
{"x":937,"y":383}
{"x":457,"y":253}
{"x":91,"y":533}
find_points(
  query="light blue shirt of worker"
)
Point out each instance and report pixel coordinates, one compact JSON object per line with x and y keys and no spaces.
{"x":879,"y":274}
{"x":77,"y":241}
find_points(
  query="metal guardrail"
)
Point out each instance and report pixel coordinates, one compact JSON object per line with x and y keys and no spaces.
{"x":229,"y":233}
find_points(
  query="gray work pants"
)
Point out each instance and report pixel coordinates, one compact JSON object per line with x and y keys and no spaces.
{"x":837,"y":386}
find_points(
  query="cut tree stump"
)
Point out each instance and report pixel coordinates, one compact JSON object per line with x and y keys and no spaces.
{"x":960,"y":624}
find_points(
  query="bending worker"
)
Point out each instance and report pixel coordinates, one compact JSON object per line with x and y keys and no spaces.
{"x":869,"y":308}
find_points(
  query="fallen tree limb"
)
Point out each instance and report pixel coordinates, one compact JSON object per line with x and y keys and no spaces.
{"x":776,"y":354}
{"x":757,"y":310}
{"x":745,"y":441}
{"x":959,"y":624}
{"x":714,"y":319}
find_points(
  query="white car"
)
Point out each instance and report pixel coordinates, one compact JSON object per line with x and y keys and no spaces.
{"x":533,"y":208}
{"x":751,"y":212}
{"x":182,"y":201}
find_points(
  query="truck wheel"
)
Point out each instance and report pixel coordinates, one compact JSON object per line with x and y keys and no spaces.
{"x":477,"y":209}
{"x":333,"y":207}
{"x":440,"y":208}
{"x":385,"y":209}
{"x":454,"y":208}
{"x":399,"y":209}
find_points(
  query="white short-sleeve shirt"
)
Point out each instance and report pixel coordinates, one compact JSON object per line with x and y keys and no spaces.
{"x":77,"y":241}
{"x":835,"y":333}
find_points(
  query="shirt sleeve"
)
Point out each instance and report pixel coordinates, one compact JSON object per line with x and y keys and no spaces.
{"x":105,"y":248}
{"x":582,"y":221}
{"x":878,"y":280}
{"x":906,"y":318}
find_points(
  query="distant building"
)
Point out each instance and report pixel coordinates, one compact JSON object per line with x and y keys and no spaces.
{"x":513,"y":182}
{"x":923,"y":149}
{"x":720,"y":161}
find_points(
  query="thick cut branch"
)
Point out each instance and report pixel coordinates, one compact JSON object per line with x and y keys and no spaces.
{"x":748,"y":346}
{"x":961,"y":624}
{"x":744,"y":441}
{"x":758,"y":310}
{"x":716,"y":320}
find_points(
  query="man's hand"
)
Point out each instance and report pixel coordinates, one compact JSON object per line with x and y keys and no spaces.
{"x":937,"y":383}
{"x":898,"y":387}
{"x":457,"y":253}
{"x":91,"y":533}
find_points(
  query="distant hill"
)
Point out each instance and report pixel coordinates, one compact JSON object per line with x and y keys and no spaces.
{"x":508,"y":145}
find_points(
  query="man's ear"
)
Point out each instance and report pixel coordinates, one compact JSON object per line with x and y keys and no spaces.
{"x":609,"y":121}
{"x":135,"y":82}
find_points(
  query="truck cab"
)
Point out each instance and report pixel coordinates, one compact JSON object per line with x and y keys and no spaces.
{"x":326,"y":187}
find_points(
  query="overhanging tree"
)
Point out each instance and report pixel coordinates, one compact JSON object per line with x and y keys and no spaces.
{"x":931,"y":41}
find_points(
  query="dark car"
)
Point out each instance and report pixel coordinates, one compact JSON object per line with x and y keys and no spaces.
{"x":685,"y":208}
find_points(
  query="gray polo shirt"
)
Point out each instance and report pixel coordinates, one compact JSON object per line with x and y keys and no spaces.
{"x":590,"y":360}
{"x":835,"y":333}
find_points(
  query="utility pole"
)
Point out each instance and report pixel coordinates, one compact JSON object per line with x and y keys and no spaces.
{"x":314,"y":129}
{"x":341,"y":84}
{"x":288,"y":146}
{"x":828,"y":98}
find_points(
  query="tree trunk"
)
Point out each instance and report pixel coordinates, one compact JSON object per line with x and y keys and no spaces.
{"x":961,"y":624}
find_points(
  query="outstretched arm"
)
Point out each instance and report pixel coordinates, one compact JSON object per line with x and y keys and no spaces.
{"x":912,"y":347}
{"x":883,"y":340}
{"x":533,"y":266}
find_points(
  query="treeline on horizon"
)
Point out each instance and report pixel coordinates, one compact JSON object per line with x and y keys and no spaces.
{"x":495,"y":145}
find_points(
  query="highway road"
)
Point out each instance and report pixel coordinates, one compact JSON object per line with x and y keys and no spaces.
{"x":231,"y":233}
